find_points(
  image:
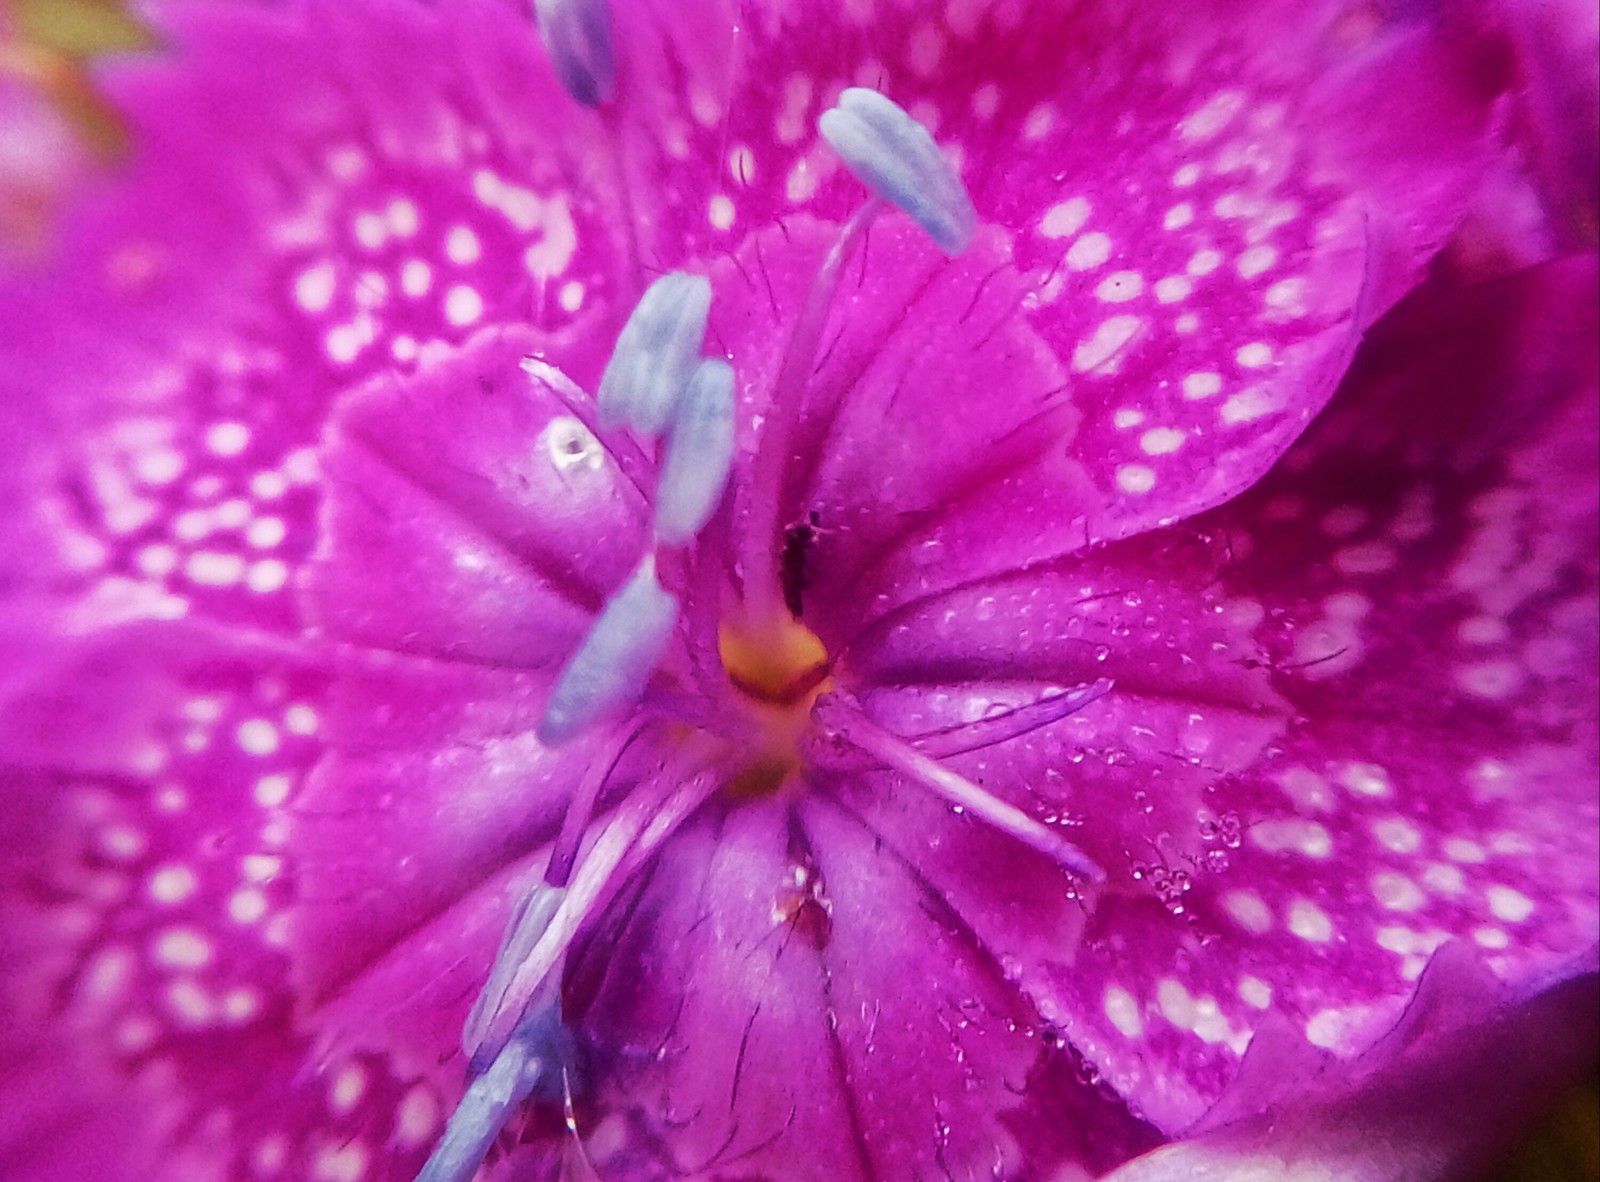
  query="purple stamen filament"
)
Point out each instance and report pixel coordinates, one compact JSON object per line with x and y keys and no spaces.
{"x":763,"y":598}
{"x":975,"y":736}
{"x":644,"y":820}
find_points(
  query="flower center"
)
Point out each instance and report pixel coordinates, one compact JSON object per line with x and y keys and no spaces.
{"x":782,"y":664}
{"x":659,"y":387}
{"x":779,"y":672}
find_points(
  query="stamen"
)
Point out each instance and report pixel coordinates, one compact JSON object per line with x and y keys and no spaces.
{"x":641,"y":824}
{"x":844,"y":721}
{"x":534,"y":1058}
{"x":616,"y":658}
{"x":894,"y":156}
{"x":698,"y":456}
{"x":577,"y":36}
{"x":656,"y":354}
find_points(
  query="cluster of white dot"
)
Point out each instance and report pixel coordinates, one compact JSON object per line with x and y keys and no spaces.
{"x":197,"y":509}
{"x":190,"y":898}
{"x":176,"y":915}
{"x":1235,"y":247}
{"x":1407,"y":883}
{"x":1140,"y":307}
{"x":227,"y":536}
{"x":359,"y":1098}
{"x":1506,"y":561}
{"x":1227,"y":216}
{"x":384,"y":269}
{"x":1365,"y":548}
{"x":1425,"y":888}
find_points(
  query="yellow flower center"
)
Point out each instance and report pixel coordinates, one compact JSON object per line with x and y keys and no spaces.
{"x":780,"y":668}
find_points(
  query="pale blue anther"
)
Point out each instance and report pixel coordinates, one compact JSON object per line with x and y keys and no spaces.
{"x":534,"y":1059}
{"x":615,"y":660}
{"x":577,"y":36}
{"x":698,"y":456}
{"x":894,"y":156}
{"x":656,"y":354}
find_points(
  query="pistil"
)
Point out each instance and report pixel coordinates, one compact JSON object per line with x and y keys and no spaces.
{"x":844,"y":721}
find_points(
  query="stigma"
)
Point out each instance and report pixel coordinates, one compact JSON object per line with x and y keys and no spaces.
{"x":777,"y":665}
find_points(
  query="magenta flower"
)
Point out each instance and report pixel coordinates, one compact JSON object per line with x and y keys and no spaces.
{"x":548,"y":621}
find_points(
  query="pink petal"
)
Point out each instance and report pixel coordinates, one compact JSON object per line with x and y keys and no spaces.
{"x":1317,"y":231}
{"x":843,"y":1014}
{"x":1446,"y":544}
{"x":147,"y":1019}
{"x":433,"y":773}
{"x":319,"y":193}
{"x":1416,"y":1106}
